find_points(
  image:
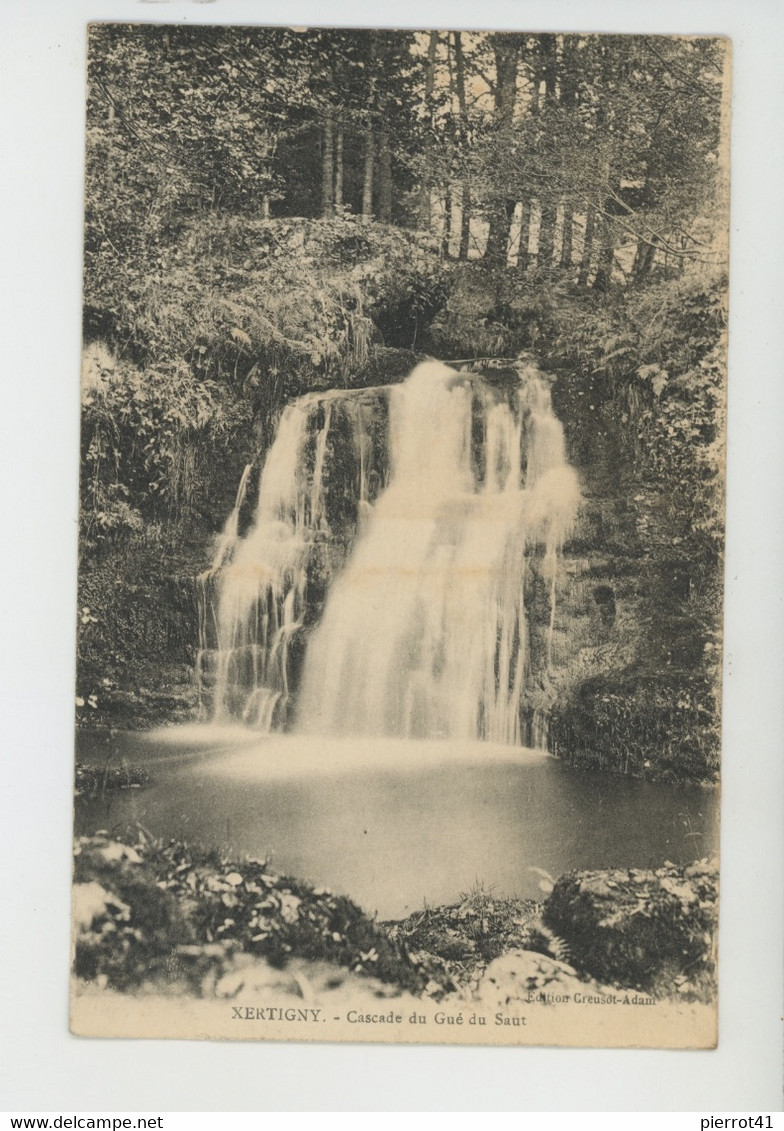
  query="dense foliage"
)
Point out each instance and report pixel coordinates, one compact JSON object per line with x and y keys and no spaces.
{"x":580,"y":160}
{"x":240,"y":316}
{"x":147,"y":437}
{"x":170,"y":915}
{"x":646,"y":415}
{"x":597,"y":154}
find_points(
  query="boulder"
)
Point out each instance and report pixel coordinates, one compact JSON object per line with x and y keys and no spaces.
{"x":653,"y":930}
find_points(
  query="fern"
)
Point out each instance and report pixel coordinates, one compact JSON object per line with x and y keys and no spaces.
{"x":541,"y":939}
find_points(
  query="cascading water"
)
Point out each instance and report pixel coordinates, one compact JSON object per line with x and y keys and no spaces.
{"x":252,"y":598}
{"x":253,"y":594}
{"x":425,"y":629}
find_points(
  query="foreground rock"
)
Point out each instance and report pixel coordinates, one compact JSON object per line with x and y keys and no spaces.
{"x":654,"y":930}
{"x":168,"y":915}
{"x":168,"y":919}
{"x":522,"y":977}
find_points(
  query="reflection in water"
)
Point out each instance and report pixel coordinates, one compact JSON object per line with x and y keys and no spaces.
{"x":420,"y":821}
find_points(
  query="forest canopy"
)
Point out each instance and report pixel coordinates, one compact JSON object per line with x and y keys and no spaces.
{"x":597,"y":156}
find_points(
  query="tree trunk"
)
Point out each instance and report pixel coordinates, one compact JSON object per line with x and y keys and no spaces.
{"x":384,"y":178}
{"x":567,"y":241}
{"x":646,"y":248}
{"x":327,"y":166}
{"x":506,"y":49}
{"x":465,"y":221}
{"x":370,"y":140}
{"x":367,"y":181}
{"x":523,"y":258}
{"x":446,"y":239}
{"x":424,"y":209}
{"x":643,"y":259}
{"x":497,"y":237}
{"x":549,"y":67}
{"x":587,"y":252}
{"x":536,"y":86}
{"x":465,"y":195}
{"x":549,"y":207}
{"x":568,"y":69}
{"x":606,"y":255}
{"x":568,"y":72}
{"x":339,"y":168}
{"x":546,"y":246}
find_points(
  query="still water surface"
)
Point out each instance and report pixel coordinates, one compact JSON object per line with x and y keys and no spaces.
{"x":393,"y":823}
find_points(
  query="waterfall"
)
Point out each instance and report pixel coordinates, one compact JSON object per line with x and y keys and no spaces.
{"x":252,"y":596}
{"x":425,"y":629}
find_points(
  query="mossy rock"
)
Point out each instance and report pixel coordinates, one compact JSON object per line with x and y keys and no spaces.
{"x":653,"y":930}
{"x":175,"y":917}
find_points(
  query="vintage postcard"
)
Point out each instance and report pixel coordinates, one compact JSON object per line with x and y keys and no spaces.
{"x":401,"y":536}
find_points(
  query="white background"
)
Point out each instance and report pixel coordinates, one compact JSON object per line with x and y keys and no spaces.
{"x":42,"y":1067}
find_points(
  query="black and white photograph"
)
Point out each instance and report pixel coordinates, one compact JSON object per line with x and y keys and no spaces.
{"x":401,"y":536}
